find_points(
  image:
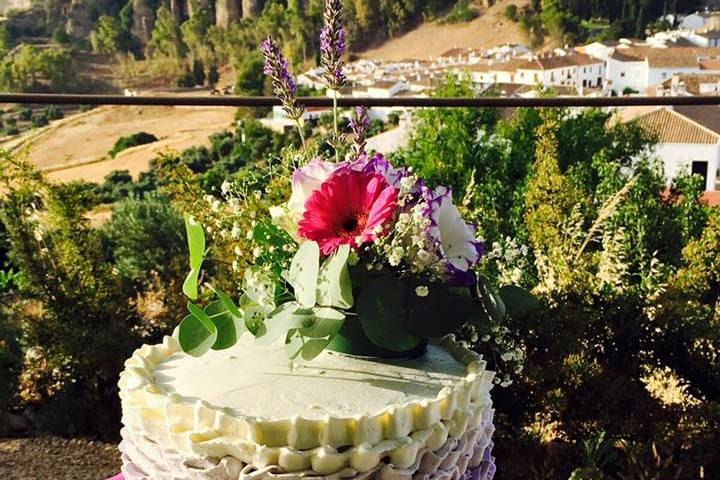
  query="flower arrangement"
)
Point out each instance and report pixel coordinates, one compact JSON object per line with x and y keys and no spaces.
{"x":363,"y":257}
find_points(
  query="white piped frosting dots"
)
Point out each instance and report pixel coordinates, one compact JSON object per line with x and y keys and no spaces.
{"x":338,"y":413}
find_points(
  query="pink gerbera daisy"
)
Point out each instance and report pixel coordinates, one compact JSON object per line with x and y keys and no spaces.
{"x":346,"y":209}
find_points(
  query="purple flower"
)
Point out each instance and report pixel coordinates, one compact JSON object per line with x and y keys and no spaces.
{"x":332,"y":44}
{"x":454,"y":239}
{"x":359,"y":124}
{"x":277,"y":68}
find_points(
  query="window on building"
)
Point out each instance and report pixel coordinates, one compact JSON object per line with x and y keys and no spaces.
{"x":622,"y":74}
{"x":700,"y":168}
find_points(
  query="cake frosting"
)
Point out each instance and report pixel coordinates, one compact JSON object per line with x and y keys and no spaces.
{"x":245,"y":410}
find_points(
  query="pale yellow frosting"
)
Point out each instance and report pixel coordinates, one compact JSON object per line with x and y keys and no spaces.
{"x":385,"y":409}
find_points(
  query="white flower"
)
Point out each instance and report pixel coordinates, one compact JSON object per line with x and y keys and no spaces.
{"x":225,"y":187}
{"x":455,"y":238}
{"x":305,"y":181}
{"x":422,"y":291}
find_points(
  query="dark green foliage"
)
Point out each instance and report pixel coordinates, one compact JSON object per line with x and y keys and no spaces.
{"x":118,"y":184}
{"x":461,"y":12}
{"x":25,"y":114}
{"x":82,"y":330}
{"x":250,"y":76}
{"x":39,"y":120}
{"x":511,"y":12}
{"x":52,"y":112}
{"x":123,"y":143}
{"x":144,"y":235}
{"x":61,"y":36}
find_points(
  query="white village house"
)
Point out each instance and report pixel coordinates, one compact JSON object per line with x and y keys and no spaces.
{"x":637,"y":68}
{"x":572,"y":70}
{"x":688,"y":140}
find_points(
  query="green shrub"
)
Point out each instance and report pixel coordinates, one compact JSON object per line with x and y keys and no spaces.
{"x":511,"y":12}
{"x":461,"y":12}
{"x":11,"y":130}
{"x":123,"y":143}
{"x":52,"y":112}
{"x":39,"y":120}
{"x":145,"y":235}
{"x":61,"y":36}
{"x":25,"y":114}
{"x":80,"y":330}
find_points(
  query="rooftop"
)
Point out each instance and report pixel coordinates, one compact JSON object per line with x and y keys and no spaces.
{"x":560,"y":61}
{"x":684,"y":124}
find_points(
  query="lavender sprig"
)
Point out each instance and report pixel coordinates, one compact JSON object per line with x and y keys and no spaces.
{"x":332,"y":44}
{"x":359,"y":124}
{"x":284,"y":86}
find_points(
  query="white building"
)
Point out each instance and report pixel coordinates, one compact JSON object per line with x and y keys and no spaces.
{"x":572,"y":70}
{"x":689,"y":85}
{"x":637,"y":68}
{"x":688,"y":140}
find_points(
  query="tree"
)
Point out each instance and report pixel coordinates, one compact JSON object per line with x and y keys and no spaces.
{"x":194,"y":34}
{"x":250,"y":76}
{"x":108,"y":37}
{"x":166,"y":38}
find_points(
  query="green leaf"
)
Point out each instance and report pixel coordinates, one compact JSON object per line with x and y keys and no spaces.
{"x":328,"y":322}
{"x":190,"y":285}
{"x":303,"y":274}
{"x":196,"y":247}
{"x":293,"y":344}
{"x":197,"y":333}
{"x":281,"y":320}
{"x":382,"y":314}
{"x":228,"y":303}
{"x":441,"y":312}
{"x":313,"y":348}
{"x":334,"y":287}
{"x":518,"y":300}
{"x":229,"y":326}
{"x":493,"y":304}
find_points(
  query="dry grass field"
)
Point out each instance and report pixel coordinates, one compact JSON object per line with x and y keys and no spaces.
{"x":430,"y":39}
{"x":77,"y":147}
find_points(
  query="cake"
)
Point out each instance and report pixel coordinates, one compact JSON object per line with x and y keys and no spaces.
{"x":247,"y":413}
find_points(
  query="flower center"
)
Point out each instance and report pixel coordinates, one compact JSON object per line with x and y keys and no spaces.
{"x":352,"y":224}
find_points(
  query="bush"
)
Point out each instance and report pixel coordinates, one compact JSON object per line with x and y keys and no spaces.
{"x":52,"y":112}
{"x":198,"y":159}
{"x":511,"y":12}
{"x":123,"y":143}
{"x":145,"y":235}
{"x":60,"y":36}
{"x":461,"y":12}
{"x":25,"y":114}
{"x":11,"y":130}
{"x":39,"y":120}
{"x":185,"y":80}
{"x":79,"y":330}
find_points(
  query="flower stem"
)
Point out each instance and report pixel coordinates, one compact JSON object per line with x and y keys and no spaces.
{"x":335,"y":123}
{"x":300,"y":131}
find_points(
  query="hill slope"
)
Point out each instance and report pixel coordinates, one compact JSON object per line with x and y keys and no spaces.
{"x":430,"y":39}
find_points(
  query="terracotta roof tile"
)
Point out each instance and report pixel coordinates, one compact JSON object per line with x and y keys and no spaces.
{"x":674,"y":127}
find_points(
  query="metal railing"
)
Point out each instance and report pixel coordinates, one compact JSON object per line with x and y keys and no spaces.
{"x":237,"y":101}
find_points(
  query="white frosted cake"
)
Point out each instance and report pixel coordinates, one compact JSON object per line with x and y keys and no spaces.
{"x":246,"y":412}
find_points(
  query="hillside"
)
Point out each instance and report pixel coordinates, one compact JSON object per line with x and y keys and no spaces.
{"x":76,"y":148}
{"x":430,"y":39}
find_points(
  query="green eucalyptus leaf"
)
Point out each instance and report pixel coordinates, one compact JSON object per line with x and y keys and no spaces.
{"x":197,"y":333}
{"x":382,"y":314}
{"x":229,"y":327}
{"x":328,"y":322}
{"x":442,"y":311}
{"x":313,"y":347}
{"x":518,"y":300}
{"x":303,"y":274}
{"x":196,"y":248}
{"x":334,"y":287}
{"x":226,"y":301}
{"x":293,"y":344}
{"x":280,"y":321}
{"x":190,"y":285}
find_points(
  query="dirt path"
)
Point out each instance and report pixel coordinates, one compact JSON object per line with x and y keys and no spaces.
{"x":431,"y":39}
{"x":53,"y":458}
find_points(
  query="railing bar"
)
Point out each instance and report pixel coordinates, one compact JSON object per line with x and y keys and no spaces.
{"x":236,"y":101}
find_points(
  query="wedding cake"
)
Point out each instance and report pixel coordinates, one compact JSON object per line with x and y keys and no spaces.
{"x":246,"y":413}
